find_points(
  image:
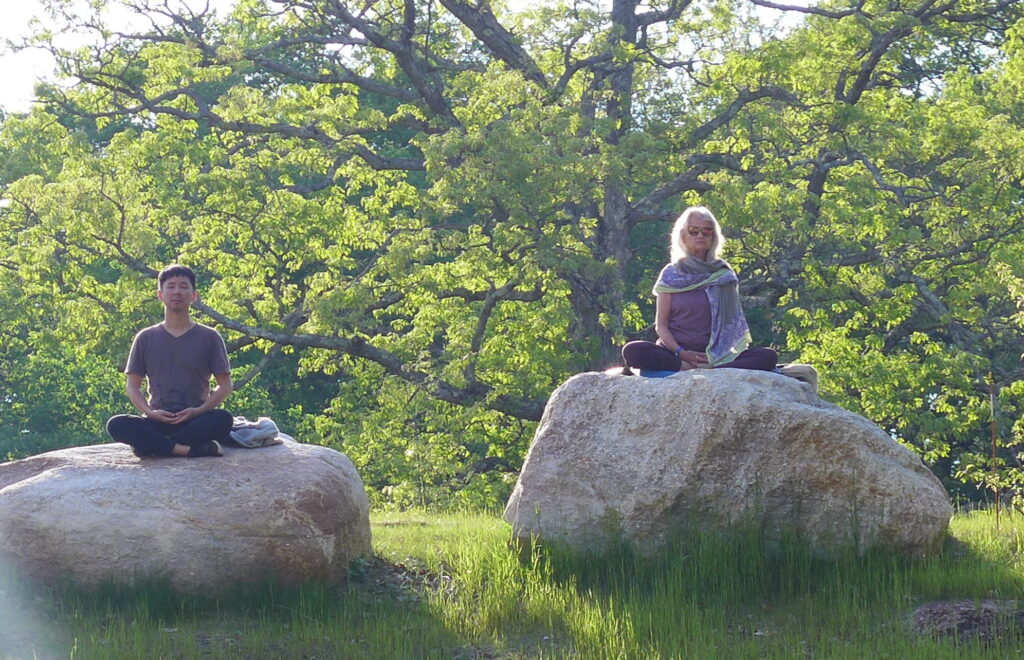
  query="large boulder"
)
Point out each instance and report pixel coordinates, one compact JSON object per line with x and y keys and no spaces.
{"x":288,"y":513}
{"x":641,"y":459}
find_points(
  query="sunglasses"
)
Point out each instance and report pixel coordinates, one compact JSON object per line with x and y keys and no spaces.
{"x":697,"y":231}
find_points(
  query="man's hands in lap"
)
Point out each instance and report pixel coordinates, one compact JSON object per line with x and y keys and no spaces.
{"x":173,"y":418}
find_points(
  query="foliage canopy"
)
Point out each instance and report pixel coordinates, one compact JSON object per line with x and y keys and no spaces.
{"x":414,"y":219}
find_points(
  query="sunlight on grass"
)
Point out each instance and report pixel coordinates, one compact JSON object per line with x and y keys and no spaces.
{"x":452,"y":585}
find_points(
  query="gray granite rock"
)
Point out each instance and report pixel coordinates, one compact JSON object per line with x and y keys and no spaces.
{"x":288,"y":513}
{"x":625,"y":457}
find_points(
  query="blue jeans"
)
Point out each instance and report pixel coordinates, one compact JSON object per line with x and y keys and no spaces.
{"x":149,"y":437}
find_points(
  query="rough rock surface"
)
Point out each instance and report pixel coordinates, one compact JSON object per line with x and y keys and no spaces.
{"x":638,"y":459}
{"x":288,"y":513}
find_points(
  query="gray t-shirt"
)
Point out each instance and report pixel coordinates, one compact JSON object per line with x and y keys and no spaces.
{"x":178,"y":368}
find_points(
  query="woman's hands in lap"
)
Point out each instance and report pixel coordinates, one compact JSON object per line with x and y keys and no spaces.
{"x":693,"y":359}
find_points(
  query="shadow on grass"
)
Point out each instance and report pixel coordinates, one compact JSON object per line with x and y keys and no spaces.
{"x":703,"y":593}
{"x":378,"y":613}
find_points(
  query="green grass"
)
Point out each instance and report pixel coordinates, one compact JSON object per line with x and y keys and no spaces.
{"x":451,"y":586}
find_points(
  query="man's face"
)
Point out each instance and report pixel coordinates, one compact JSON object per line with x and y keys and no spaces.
{"x":177,"y":293}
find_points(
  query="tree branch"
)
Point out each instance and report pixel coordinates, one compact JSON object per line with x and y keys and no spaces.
{"x":673,"y":11}
{"x":426,"y":83}
{"x":502,"y":43}
{"x":816,"y":11}
{"x":479,"y":392}
{"x":743,"y":98}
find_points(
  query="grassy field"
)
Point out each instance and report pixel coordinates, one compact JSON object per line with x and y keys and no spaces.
{"x":450,"y":586}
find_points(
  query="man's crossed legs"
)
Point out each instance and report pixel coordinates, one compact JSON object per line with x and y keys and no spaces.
{"x":149,"y":437}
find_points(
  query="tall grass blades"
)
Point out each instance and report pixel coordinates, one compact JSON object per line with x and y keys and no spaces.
{"x":454,"y":586}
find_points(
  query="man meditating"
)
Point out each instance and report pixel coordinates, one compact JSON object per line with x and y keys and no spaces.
{"x":177,"y":358}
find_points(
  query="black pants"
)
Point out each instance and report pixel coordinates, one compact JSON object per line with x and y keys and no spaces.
{"x":149,"y":437}
{"x":655,"y":357}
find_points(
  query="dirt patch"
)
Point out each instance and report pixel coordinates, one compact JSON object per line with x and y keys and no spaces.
{"x":400,"y":581}
{"x":985,"y":620}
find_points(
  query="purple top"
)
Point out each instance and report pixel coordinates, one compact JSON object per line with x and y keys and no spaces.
{"x":689,"y":320}
{"x":730,"y":335}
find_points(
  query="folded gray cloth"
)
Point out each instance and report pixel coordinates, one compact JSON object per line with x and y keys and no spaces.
{"x":802,"y":372}
{"x":261,"y":433}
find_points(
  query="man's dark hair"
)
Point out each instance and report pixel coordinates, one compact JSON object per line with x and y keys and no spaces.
{"x":176,"y":270}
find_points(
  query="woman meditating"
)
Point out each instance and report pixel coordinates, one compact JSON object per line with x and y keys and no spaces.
{"x":699,"y":319}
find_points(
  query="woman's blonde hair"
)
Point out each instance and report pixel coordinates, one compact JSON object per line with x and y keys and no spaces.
{"x":683,"y":221}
